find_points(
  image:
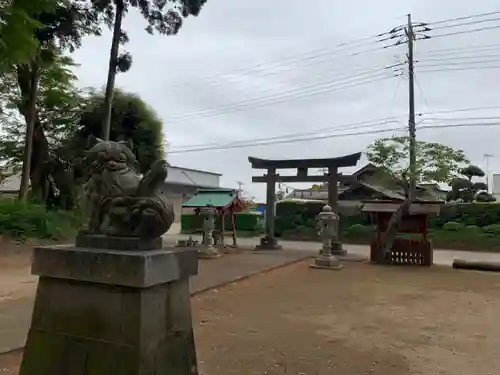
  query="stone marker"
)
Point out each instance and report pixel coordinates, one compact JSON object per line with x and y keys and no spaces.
{"x":116,"y":302}
{"x":207,"y":249}
{"x":327,"y":222}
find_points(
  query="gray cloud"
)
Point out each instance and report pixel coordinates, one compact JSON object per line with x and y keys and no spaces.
{"x":230,"y":37}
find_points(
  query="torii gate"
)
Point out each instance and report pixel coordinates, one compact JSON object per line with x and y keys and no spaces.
{"x":332,"y":177}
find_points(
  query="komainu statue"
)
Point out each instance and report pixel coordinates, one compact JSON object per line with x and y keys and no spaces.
{"x":123,"y":203}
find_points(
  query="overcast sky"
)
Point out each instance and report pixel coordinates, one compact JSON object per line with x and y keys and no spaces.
{"x":255,"y":69}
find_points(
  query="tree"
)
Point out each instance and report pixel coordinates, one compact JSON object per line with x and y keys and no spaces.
{"x":132,"y":120}
{"x":60,"y":29}
{"x":163,"y":16}
{"x":465,"y":190}
{"x":18,"y":24}
{"x":57,"y":113}
{"x":485,"y":197}
{"x":435,"y":163}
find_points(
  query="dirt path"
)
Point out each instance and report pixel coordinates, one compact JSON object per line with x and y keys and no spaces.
{"x":362,"y":320}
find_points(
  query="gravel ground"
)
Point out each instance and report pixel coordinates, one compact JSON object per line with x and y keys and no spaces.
{"x":364,"y":319}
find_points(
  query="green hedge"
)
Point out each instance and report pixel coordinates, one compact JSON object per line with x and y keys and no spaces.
{"x":454,"y":236}
{"x":29,"y":220}
{"x":244,"y":222}
{"x":293,"y":215}
{"x":478,"y":214}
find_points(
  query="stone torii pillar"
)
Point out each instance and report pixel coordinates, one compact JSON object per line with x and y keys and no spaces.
{"x":336,"y":245}
{"x":269,"y":241}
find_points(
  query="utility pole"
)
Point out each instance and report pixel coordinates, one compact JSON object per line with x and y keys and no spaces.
{"x":240,"y":190}
{"x":410,"y":36}
{"x":487,"y":171}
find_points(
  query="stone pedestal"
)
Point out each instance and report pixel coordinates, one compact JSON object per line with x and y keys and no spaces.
{"x":327,"y":261}
{"x":336,"y":249}
{"x":208,"y":252}
{"x":268,"y":243}
{"x":103,"y":311}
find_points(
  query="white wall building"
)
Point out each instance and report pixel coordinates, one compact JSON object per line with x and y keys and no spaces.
{"x":496,"y":186}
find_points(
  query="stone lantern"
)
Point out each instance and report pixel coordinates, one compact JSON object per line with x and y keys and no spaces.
{"x":207,"y":249}
{"x":328,"y":231}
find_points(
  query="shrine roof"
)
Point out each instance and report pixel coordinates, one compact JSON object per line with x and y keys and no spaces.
{"x":416,"y":208}
{"x":218,"y":198}
{"x":341,"y":161}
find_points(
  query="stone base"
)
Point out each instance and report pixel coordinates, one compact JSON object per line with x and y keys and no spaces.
{"x":111,"y":312}
{"x":348,"y":257}
{"x":337,"y":249}
{"x":268,"y":243}
{"x":208,"y":253}
{"x":327,"y":262}
{"x":102,"y":241}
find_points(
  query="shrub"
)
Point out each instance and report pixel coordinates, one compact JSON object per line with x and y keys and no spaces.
{"x":472,"y":229}
{"x":31,"y":220}
{"x":480,"y":214}
{"x":453,"y":226}
{"x":357,"y":229}
{"x":492,"y":229}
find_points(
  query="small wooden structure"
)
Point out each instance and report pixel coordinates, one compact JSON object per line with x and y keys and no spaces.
{"x":225,"y":201}
{"x":414,"y":247}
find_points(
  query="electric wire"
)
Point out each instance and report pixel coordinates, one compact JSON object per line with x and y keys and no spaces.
{"x":461,"y":32}
{"x":443,"y":70}
{"x":461,"y":18}
{"x":291,"y":95}
{"x":329,"y":136}
{"x":301,"y":57}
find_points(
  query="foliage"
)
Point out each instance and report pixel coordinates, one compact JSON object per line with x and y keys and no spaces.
{"x":244,"y":222}
{"x":59,"y":29}
{"x":132,"y":120}
{"x":293,"y":214}
{"x":435,"y":162}
{"x":492,"y":228}
{"x":453,"y":226}
{"x":18,"y":24}
{"x":163,"y":16}
{"x":290,"y":215}
{"x":31,"y":220}
{"x":59,"y":106}
{"x":467,"y":239}
{"x":465,"y":190}
{"x":485,"y":197}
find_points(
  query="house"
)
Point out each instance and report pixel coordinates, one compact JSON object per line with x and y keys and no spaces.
{"x":371,"y":183}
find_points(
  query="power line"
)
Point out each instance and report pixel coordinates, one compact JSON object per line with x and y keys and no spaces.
{"x":333,"y":80}
{"x":460,"y":18}
{"x":322,"y":137}
{"x":460,"y":58}
{"x":305,"y":56}
{"x":464,"y":24}
{"x":458,"y":69}
{"x":458,"y":52}
{"x":339,"y":72}
{"x":461,"y":32}
{"x":355,"y":125}
{"x":276,"y":99}
{"x":424,"y":65}
{"x":460,"y":110}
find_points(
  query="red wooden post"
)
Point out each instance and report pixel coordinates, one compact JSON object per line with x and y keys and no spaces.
{"x":234,"y":226}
